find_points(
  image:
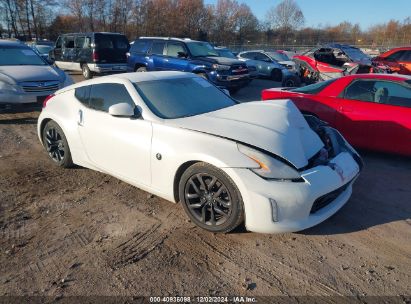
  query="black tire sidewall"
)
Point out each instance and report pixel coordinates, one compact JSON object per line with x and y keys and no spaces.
{"x":67,"y":161}
{"x":237,"y":212}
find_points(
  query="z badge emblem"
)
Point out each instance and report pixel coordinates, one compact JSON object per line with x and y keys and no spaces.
{"x":338,"y":169}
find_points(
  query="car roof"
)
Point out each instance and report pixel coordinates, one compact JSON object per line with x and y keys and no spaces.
{"x":394,"y":77}
{"x":9,"y":43}
{"x":171,"y":38}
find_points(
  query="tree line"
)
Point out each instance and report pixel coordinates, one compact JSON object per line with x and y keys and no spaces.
{"x":227,"y":22}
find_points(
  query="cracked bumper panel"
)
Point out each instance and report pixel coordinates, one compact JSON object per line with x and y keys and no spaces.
{"x":283,"y":206}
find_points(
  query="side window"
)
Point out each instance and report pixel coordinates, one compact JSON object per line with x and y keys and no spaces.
{"x":79,"y":42}
{"x":104,"y":95}
{"x":406,"y":56}
{"x":173,"y":48}
{"x":248,"y":55}
{"x":392,"y":93}
{"x":395,"y":56}
{"x":139,"y":46}
{"x":261,"y":57}
{"x":360,"y":90}
{"x":69,"y":42}
{"x":82,"y":94}
{"x":58,"y":43}
{"x":158,"y":47}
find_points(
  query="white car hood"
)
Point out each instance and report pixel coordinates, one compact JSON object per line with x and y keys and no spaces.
{"x":287,"y":62}
{"x":21,"y":73}
{"x":275,"y":126}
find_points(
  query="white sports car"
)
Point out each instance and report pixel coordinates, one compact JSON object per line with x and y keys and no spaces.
{"x":178,"y":136}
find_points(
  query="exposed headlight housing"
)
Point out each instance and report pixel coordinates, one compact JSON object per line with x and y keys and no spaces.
{"x":269,"y":167}
{"x":220,"y":67}
{"x":4,"y":86}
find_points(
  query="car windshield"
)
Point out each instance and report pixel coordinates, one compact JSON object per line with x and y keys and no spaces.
{"x":182,"y":97}
{"x":278,"y":56}
{"x":19,"y":56}
{"x":225,"y":53}
{"x":355,"y":54}
{"x":314,"y":88}
{"x":43,"y":49}
{"x":201,"y":49}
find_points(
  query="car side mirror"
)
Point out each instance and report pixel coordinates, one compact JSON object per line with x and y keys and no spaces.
{"x":182,"y":55}
{"x":121,"y":109}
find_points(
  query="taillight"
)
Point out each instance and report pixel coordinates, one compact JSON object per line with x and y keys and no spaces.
{"x":47,"y":99}
{"x":95,"y":56}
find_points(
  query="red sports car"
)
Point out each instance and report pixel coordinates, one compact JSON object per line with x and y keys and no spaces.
{"x":398,"y":59}
{"x":372,"y":111}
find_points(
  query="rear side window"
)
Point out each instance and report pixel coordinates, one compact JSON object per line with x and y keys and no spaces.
{"x":158,"y":47}
{"x":396,"y":55}
{"x":82,"y":42}
{"x":106,"y":41}
{"x":82,"y":94}
{"x":69,"y":42}
{"x":140,"y":46}
{"x":104,"y":95}
{"x":406,"y":57}
{"x":173,"y":48}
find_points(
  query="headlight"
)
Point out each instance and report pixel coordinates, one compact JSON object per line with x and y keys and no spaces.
{"x":220,"y":67}
{"x":270,"y":167}
{"x":7,"y":87}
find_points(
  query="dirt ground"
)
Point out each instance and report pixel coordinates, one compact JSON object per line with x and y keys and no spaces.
{"x":67,"y":232}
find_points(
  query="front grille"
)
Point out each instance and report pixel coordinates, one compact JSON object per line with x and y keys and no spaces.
{"x":238,"y":69}
{"x":40,"y":86}
{"x":326,"y":199}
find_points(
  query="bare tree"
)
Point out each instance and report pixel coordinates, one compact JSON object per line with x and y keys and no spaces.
{"x":286,"y":17}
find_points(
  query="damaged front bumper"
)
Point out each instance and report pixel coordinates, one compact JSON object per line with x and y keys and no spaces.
{"x":287,"y":206}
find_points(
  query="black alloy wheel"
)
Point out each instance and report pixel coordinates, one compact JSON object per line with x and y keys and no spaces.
{"x":56,"y":144}
{"x":210,"y":198}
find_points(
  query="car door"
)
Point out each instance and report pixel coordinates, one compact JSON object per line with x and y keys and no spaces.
{"x":264,"y":64}
{"x":119,"y":146}
{"x":157,"y":54}
{"x":369,"y":119}
{"x":174,"y":61}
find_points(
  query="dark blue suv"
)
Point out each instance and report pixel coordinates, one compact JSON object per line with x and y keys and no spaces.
{"x":199,"y":57}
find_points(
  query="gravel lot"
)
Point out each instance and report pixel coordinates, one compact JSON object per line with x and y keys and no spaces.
{"x":80,"y":232}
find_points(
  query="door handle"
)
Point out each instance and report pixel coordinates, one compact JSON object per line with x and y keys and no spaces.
{"x":80,"y":118}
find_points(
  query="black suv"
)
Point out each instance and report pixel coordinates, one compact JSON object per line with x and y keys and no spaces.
{"x":91,"y":53}
{"x":174,"y":54}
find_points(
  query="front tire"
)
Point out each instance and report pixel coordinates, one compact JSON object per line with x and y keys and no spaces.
{"x":141,"y":69}
{"x":56,"y":144}
{"x":276,"y":75}
{"x":210,"y":198}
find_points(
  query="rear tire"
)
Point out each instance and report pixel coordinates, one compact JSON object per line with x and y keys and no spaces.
{"x":55,"y":142}
{"x":86,"y":71}
{"x":210,"y":198}
{"x":141,"y":69}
